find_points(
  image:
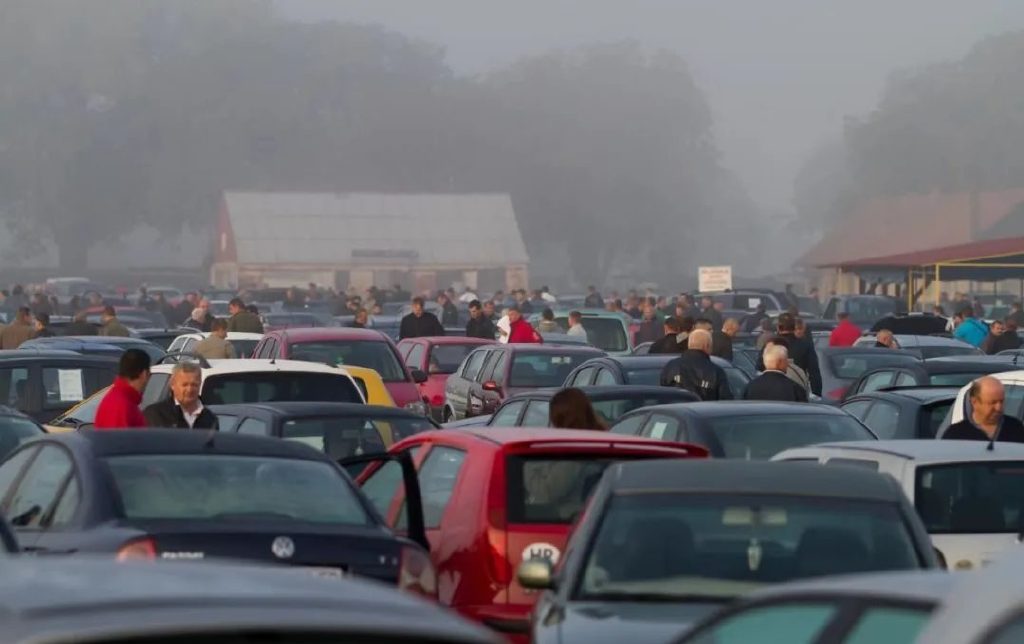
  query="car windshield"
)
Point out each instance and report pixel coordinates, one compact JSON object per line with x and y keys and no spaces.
{"x":278,"y":386}
{"x":678,"y":545}
{"x":607,"y":334}
{"x":83,"y":413}
{"x":551,"y":488}
{"x":345,"y":436}
{"x":852,"y":365}
{"x":446,"y":358}
{"x":15,"y":430}
{"x":971,"y":498}
{"x":650,"y":377}
{"x":372,"y":354}
{"x":543,"y":369}
{"x":225,"y":487}
{"x":765,"y":435}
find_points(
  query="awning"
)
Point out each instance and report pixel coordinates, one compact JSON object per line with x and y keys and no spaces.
{"x":981,"y":261}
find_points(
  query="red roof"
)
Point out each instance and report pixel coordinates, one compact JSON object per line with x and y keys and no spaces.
{"x":980,"y":250}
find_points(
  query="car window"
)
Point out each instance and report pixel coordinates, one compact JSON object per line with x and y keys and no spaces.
{"x":905,"y":379}
{"x":536,"y":414}
{"x":738,"y":381}
{"x":1011,"y":632}
{"x":970,"y":497}
{"x":156,"y":389}
{"x":14,"y":386}
{"x":382,"y":486}
{"x":793,"y":623}
{"x":62,"y":387}
{"x":15,"y":430}
{"x":438,"y":475}
{"x":376,"y":355}
{"x":253,"y":426}
{"x":649,"y":377}
{"x":12,"y":467}
{"x":582,"y":377}
{"x":345,"y":436}
{"x":862,"y":463}
{"x":38,"y":489}
{"x":876,"y":381}
{"x":66,"y":508}
{"x":883,"y":419}
{"x":852,"y":365}
{"x":661,"y":427}
{"x":630,"y":425}
{"x":763,"y":436}
{"x":934,"y":416}
{"x":858,"y":408}
{"x":551,"y":488}
{"x":446,"y":358}
{"x":278,"y":386}
{"x":508,"y":414}
{"x":605,"y":377}
{"x":607,"y":334}
{"x":881,"y":624}
{"x":497,"y":373}
{"x":227,"y":422}
{"x":472,"y":368}
{"x":543,"y":369}
{"x":952,"y":379}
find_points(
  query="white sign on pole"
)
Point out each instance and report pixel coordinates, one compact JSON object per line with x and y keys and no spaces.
{"x":714,"y":278}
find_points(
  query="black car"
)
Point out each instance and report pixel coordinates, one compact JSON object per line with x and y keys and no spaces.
{"x":744,"y":429}
{"x":610,"y":402}
{"x":643,"y":370}
{"x":902,"y":412}
{"x":665,"y":543}
{"x":95,"y":345}
{"x":936,"y":372}
{"x":172,"y":494}
{"x":841,"y":366}
{"x":45,"y":384}
{"x":15,"y":429}
{"x":864,"y":310}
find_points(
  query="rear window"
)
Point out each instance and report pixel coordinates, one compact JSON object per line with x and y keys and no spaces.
{"x":611,"y":410}
{"x":221,"y":487}
{"x":971,"y":498}
{"x":446,"y":358}
{"x":544,"y":369}
{"x":761,"y":437}
{"x":278,"y":386}
{"x":947,"y":350}
{"x":345,"y":436}
{"x":338,"y":353}
{"x":650,"y":377}
{"x":952,"y":379}
{"x":244,"y":348}
{"x":607,"y":334}
{"x":850,"y":366}
{"x":550,"y":489}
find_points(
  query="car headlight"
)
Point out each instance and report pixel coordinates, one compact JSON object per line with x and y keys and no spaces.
{"x":417,"y":407}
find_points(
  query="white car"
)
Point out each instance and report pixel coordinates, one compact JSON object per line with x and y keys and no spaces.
{"x":244,"y":343}
{"x":970,"y":498}
{"x":227,"y":382}
{"x":1013,"y":383}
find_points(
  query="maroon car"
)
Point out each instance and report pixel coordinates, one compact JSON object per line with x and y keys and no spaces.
{"x":438,"y":357}
{"x":357,"y":347}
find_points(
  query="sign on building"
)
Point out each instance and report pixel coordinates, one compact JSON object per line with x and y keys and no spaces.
{"x":714,"y":278}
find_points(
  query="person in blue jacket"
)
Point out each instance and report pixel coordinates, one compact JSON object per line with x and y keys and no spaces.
{"x":971,"y":330}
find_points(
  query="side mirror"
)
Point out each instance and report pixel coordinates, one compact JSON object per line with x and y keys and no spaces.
{"x":490,"y":385}
{"x":418,"y":376}
{"x":417,"y":531}
{"x":536,"y":574}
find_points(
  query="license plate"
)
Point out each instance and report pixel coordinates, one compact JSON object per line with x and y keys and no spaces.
{"x":326,"y":573}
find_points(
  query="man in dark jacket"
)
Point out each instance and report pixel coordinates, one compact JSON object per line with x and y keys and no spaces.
{"x":801,"y":352}
{"x":593,"y":299}
{"x":752,"y":322}
{"x":709,"y":312}
{"x":183,"y":410}
{"x":773,"y":383}
{"x":242,"y":320}
{"x":669,"y":343}
{"x":1001,"y":337}
{"x":651,"y":330}
{"x":695,"y":372}
{"x":721,"y":339}
{"x":449,"y":312}
{"x":79,"y":326}
{"x":479,"y":325}
{"x":43,"y":329}
{"x":419,"y":323}
{"x":987,"y":421}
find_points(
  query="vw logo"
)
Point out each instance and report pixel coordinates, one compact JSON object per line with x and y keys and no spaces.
{"x":283,"y":548}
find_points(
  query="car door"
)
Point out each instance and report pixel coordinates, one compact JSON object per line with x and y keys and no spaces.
{"x":414,"y":359}
{"x":456,"y":390}
{"x":537,"y":413}
{"x":34,"y":501}
{"x":581,"y":378}
{"x":490,"y":385}
{"x":857,"y":408}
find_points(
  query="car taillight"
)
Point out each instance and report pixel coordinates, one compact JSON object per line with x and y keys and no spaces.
{"x":416,"y":574}
{"x":437,"y":400}
{"x":497,"y":542}
{"x":837,"y":394}
{"x":137,"y":550}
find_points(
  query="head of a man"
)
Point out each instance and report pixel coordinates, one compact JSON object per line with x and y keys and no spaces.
{"x":648,"y":311}
{"x":704,"y":325}
{"x":489,"y":308}
{"x":575,"y":318}
{"x":719,"y":306}
{"x":776,"y":357}
{"x":186,"y":380}
{"x":842,"y":316}
{"x":204,"y":303}
{"x":700,"y":340}
{"x":886,"y":338}
{"x":417,"y":306}
{"x":786,"y":325}
{"x":362,"y":316}
{"x":799,"y":328}
{"x":987,"y":399}
{"x":997,"y":328}
{"x":475,"y":310}
{"x":236,"y":306}
{"x":108,"y":314}
{"x":731,"y":327}
{"x":24,"y":315}
{"x":547,"y":315}
{"x":42,"y":320}
{"x":133,"y":367}
{"x":707,"y":302}
{"x":219,"y":328}
{"x":672,"y":326}
{"x":514,"y":315}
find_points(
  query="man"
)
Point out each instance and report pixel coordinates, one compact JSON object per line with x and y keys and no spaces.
{"x":184,"y":308}
{"x":361,"y":319}
{"x":801,"y":352}
{"x":489,"y":310}
{"x":545,"y":293}
{"x":196,"y":321}
{"x":183,"y":410}
{"x":884,"y":339}
{"x":987,"y":421}
{"x":846,"y":332}
{"x":576,"y":328}
{"x":593,"y":299}
{"x":521,"y":331}
{"x":216,"y":346}
{"x":43,"y":326}
{"x":419,"y":323}
{"x":479,"y":325}
{"x":669,"y":342}
{"x":1002,"y":336}
{"x":695,"y":372}
{"x":119,"y":408}
{"x":971,"y":330}
{"x":1017,"y":314}
{"x":752,"y":321}
{"x":522,"y":303}
{"x":111,"y":326}
{"x":468,"y":296}
{"x":449,"y":312}
{"x":721,"y":339}
{"x":793,"y":372}
{"x":773,"y":383}
{"x":708,"y":311}
{"x":650,"y":328}
{"x":80,"y":325}
{"x":19,"y":331}
{"x":547,"y":322}
{"x":242,"y":320}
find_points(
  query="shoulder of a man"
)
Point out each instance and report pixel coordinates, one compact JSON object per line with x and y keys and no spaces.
{"x":963,"y":430}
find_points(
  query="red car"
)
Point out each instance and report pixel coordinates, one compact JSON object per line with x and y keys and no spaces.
{"x":438,"y":357}
{"x":492,"y":497}
{"x":340,"y":347}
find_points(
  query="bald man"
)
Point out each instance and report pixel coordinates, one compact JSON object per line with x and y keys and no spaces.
{"x":987,"y":421}
{"x":694,"y":370}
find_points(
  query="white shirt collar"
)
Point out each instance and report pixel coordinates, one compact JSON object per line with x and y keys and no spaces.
{"x":190,"y":418}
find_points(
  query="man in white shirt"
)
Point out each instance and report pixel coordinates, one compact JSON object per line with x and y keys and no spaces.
{"x":576,"y":326}
{"x":183,"y":410}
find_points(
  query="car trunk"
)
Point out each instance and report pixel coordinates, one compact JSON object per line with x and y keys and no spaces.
{"x":972,"y":551}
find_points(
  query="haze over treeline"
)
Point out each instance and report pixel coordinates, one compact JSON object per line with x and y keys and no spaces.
{"x":117,"y":112}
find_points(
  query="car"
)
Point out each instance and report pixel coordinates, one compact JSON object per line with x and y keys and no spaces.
{"x":564,"y":340}
{"x":643,"y":370}
{"x":1013,"y":383}
{"x":747,"y":300}
{"x":80,"y":416}
{"x":663,"y":543}
{"x":927,"y":346}
{"x":15,"y":429}
{"x":278,"y":320}
{"x":912,"y":324}
{"x":969,"y":497}
{"x":606,"y":330}
{"x":340,"y":430}
{"x":439,"y":358}
{"x":44,"y":384}
{"x":936,"y":372}
{"x":743,"y":429}
{"x":864,"y":310}
{"x":171,"y":494}
{"x":881,"y":608}
{"x":490,"y":374}
{"x":841,"y":366}
{"x":610,"y":402}
{"x":244,"y":343}
{"x":902,"y":412}
{"x":94,"y":345}
{"x":131,"y":317}
{"x":493,"y":497}
{"x":160,"y":337}
{"x":171,"y":294}
{"x":372,"y":386}
{"x":252,"y":381}
{"x":339,"y":347}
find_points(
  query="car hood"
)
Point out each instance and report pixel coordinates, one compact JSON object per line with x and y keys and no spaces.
{"x":615,"y":622}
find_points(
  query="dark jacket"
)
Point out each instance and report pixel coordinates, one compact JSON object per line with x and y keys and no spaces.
{"x":167,"y":414}
{"x":713,"y":316}
{"x":594,"y":301}
{"x":424,"y":326}
{"x":993,"y":344}
{"x":775,"y":385}
{"x":1011,"y":431}
{"x":81,"y":327}
{"x":45,"y":332}
{"x":695,"y":372}
{"x":668,"y":344}
{"x":450,"y":315}
{"x":803,"y":354}
{"x":650,"y":331}
{"x":481,"y":327}
{"x":752,"y":322}
{"x":721,"y":345}
{"x":244,"y":322}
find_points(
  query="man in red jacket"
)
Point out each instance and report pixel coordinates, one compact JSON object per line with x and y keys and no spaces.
{"x":119,"y":408}
{"x":845,"y":333}
{"x":521,"y":331}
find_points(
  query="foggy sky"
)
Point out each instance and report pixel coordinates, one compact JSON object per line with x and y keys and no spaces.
{"x":780,"y":74}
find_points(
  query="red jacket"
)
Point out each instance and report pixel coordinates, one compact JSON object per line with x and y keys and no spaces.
{"x":523,"y":333}
{"x":844,"y":335}
{"x":119,"y":408}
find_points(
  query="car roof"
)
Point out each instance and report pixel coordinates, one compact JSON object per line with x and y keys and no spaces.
{"x":176,"y":441}
{"x":56,"y":355}
{"x":251,"y":365}
{"x":752,"y":408}
{"x":864,"y":349}
{"x":966,"y":363}
{"x":525,"y":436}
{"x":330,"y":333}
{"x":317,"y":409}
{"x":638,"y":362}
{"x":726,"y":476}
{"x":930,"y":340}
{"x":450,"y":339}
{"x":917,"y":585}
{"x":89,"y":339}
{"x":929,"y":450}
{"x":544,"y":349}
{"x":605,"y":392}
{"x":923,"y":394}
{"x":232,"y":335}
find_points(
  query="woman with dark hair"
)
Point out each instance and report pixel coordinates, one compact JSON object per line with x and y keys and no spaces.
{"x":571,"y":409}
